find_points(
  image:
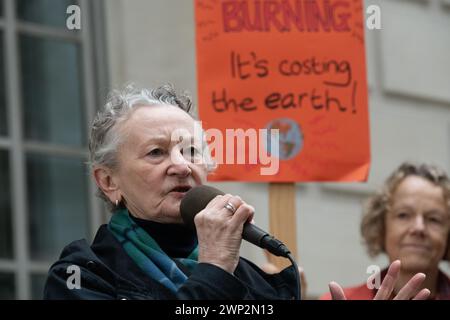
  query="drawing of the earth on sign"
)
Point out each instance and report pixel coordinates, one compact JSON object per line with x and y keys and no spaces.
{"x":291,"y":138}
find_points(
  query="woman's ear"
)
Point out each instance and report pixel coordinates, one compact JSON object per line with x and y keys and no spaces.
{"x":107,"y":182}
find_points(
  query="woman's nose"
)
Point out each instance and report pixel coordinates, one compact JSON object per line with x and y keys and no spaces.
{"x":418,"y":223}
{"x":179,"y":165}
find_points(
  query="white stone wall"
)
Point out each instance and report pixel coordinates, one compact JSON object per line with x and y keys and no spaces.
{"x":152,"y":42}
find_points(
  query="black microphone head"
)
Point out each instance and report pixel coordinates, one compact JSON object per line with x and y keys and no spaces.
{"x":195,"y":200}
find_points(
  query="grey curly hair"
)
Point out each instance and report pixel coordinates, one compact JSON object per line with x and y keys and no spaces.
{"x":373,"y":222}
{"x":104,"y":138}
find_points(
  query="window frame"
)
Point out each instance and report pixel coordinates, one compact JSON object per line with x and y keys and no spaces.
{"x":93,"y":79}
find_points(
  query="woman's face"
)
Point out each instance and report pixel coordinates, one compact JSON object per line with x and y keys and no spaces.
{"x":417,"y":226}
{"x":155,"y":170}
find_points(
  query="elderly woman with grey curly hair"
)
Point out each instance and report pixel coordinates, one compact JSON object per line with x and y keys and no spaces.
{"x":409,"y":221}
{"x":143,"y":168}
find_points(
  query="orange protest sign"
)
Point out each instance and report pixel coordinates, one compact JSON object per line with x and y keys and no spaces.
{"x":297,"y":66}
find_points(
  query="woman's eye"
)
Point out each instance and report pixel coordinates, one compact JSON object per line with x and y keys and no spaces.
{"x":191,"y":151}
{"x":156,"y":152}
{"x":194,"y":151}
{"x":435,"y":219}
{"x":402,"y":215}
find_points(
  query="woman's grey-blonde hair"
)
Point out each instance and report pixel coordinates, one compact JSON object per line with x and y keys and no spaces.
{"x":104,"y":138}
{"x":373,"y":222}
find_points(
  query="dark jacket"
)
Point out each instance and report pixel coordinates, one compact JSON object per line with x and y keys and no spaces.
{"x":107,"y":272}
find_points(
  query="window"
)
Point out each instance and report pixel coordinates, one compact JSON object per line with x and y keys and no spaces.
{"x":47,"y":104}
{"x":3,"y":122}
{"x":6,"y":247}
{"x":48,"y":81}
{"x":7,"y":289}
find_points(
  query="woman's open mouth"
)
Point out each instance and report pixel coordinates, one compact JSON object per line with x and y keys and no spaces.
{"x":180,"y":191}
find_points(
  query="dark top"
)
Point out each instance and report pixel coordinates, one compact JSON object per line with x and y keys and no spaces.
{"x":107,"y":272}
{"x":175,"y":240}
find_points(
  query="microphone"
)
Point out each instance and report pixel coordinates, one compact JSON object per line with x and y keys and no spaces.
{"x":196,"y":199}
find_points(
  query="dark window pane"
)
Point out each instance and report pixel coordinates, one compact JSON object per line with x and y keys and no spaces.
{"x":48,"y":12}
{"x":6,"y":250}
{"x":58,"y":204}
{"x":3,"y":121}
{"x":7,"y":288}
{"x":37,"y":286}
{"x":51,"y":91}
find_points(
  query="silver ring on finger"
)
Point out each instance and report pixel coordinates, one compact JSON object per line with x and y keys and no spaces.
{"x":230,"y":207}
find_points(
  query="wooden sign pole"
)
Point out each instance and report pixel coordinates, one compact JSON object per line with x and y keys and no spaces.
{"x":282,"y":223}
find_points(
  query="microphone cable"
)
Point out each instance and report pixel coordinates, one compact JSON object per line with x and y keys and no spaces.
{"x":297,"y":274}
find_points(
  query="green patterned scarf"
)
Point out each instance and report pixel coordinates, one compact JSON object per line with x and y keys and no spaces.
{"x":147,"y":254}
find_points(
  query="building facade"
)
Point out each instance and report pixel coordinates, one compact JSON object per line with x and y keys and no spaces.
{"x":53,"y":79}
